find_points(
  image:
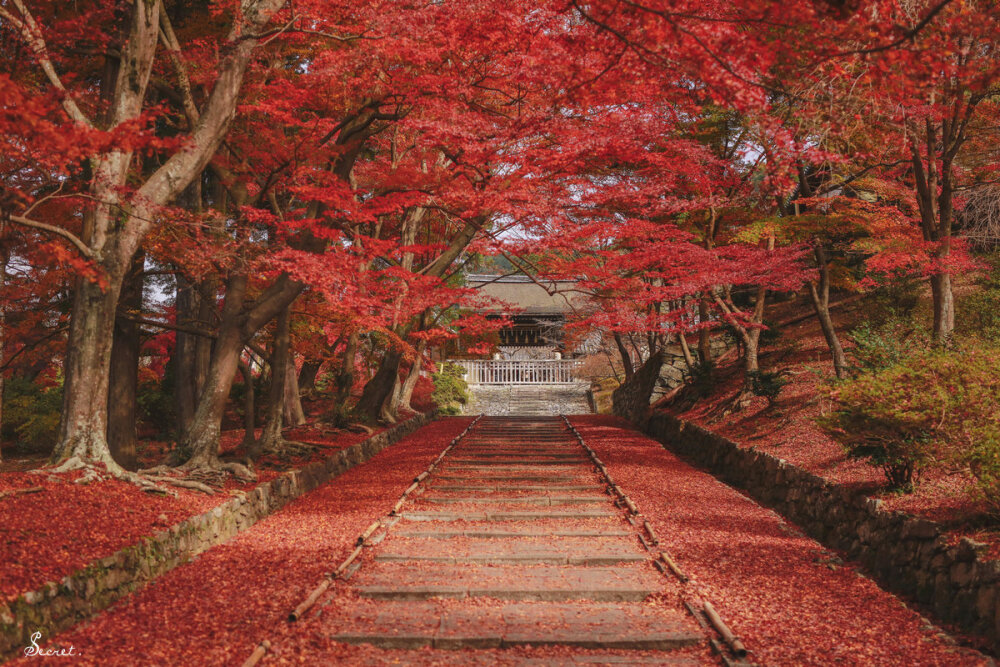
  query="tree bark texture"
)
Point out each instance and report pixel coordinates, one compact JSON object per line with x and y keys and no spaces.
{"x":124,"y":371}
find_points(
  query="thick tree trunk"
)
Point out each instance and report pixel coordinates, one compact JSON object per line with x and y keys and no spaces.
{"x":249,"y":409}
{"x":406,"y":394}
{"x":820,"y":294}
{"x":345,"y":378}
{"x":308,"y":375}
{"x":185,"y":389}
{"x":271,"y":439}
{"x":124,"y":371}
{"x":380,"y":388}
{"x":201,"y":441}
{"x":631,"y":400}
{"x":83,"y":427}
{"x":192,"y":353}
{"x":294,"y":414}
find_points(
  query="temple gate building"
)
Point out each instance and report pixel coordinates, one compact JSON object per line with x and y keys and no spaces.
{"x":533,"y":370}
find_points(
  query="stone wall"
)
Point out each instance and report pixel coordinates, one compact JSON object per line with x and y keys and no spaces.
{"x":906,"y":554}
{"x":58,"y":605}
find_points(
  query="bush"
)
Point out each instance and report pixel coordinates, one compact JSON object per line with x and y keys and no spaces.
{"x":450,"y":390}
{"x":932,"y":405}
{"x":767,"y":384}
{"x":31,"y":413}
{"x":979,"y":311}
{"x":880,"y":346}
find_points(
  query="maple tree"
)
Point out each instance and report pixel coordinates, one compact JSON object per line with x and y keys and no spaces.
{"x":328,"y":167}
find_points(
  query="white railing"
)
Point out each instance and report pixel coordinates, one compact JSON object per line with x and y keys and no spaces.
{"x":518,"y":371}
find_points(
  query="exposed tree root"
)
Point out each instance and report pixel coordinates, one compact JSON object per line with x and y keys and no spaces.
{"x":184,"y":483}
{"x":98,"y":472}
{"x":214,"y":472}
{"x":206,"y":477}
{"x":288,"y":449}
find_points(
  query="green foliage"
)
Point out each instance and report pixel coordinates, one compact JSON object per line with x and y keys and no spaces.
{"x":450,"y":390}
{"x":767,"y":384}
{"x":930,"y":405}
{"x":31,"y":413}
{"x":893,"y":299}
{"x":979,"y":312}
{"x":882,"y":344}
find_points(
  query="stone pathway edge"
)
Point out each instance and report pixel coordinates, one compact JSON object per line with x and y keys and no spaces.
{"x":908,"y":555}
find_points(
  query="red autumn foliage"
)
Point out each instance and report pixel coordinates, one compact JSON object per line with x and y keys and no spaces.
{"x":272,"y":565}
{"x":789,"y":599}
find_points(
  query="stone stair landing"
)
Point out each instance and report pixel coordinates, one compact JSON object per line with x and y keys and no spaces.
{"x":529,"y":400}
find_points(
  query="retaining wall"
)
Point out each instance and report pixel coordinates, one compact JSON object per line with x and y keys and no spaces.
{"x":58,"y":605}
{"x":906,"y":554}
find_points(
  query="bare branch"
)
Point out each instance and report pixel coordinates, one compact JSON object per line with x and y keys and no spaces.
{"x":52,"y":229}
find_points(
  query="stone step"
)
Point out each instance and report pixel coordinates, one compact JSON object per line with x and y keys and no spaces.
{"x":513,"y":556}
{"x":567,"y":452}
{"x":506,"y":515}
{"x":511,"y":461}
{"x":421,"y":624}
{"x":498,"y":534}
{"x":514,"y":468}
{"x":513,"y":477}
{"x":508,"y":582}
{"x":522,"y":500}
{"x":506,"y":488}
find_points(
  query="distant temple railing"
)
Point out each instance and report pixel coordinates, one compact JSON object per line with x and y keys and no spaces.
{"x":519,"y":371}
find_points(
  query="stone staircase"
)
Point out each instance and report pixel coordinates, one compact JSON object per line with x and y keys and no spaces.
{"x":512,"y":542}
{"x":528,"y":400}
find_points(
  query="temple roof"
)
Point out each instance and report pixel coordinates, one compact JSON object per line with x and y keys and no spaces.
{"x":544,"y":297}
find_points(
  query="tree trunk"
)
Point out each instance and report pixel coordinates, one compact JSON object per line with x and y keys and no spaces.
{"x":631,"y":400}
{"x":345,"y":378}
{"x":686,"y":351}
{"x":271,"y":439}
{"x":820,"y":294}
{"x":308,"y":375}
{"x":944,"y":308}
{"x":201,"y":441}
{"x":627,"y":366}
{"x":3,"y":334}
{"x":704,"y":334}
{"x":249,"y":410}
{"x":406,"y":394}
{"x":294,"y":414}
{"x":124,"y":371}
{"x":380,"y":387}
{"x":83,"y":425}
{"x":185,"y":388}
{"x":237,"y":327}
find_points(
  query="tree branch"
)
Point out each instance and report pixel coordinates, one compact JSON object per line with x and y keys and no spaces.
{"x":52,"y":229}
{"x":32,"y":35}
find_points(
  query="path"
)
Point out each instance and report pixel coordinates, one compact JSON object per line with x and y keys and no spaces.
{"x":516,"y":516}
{"x":512,"y":542}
